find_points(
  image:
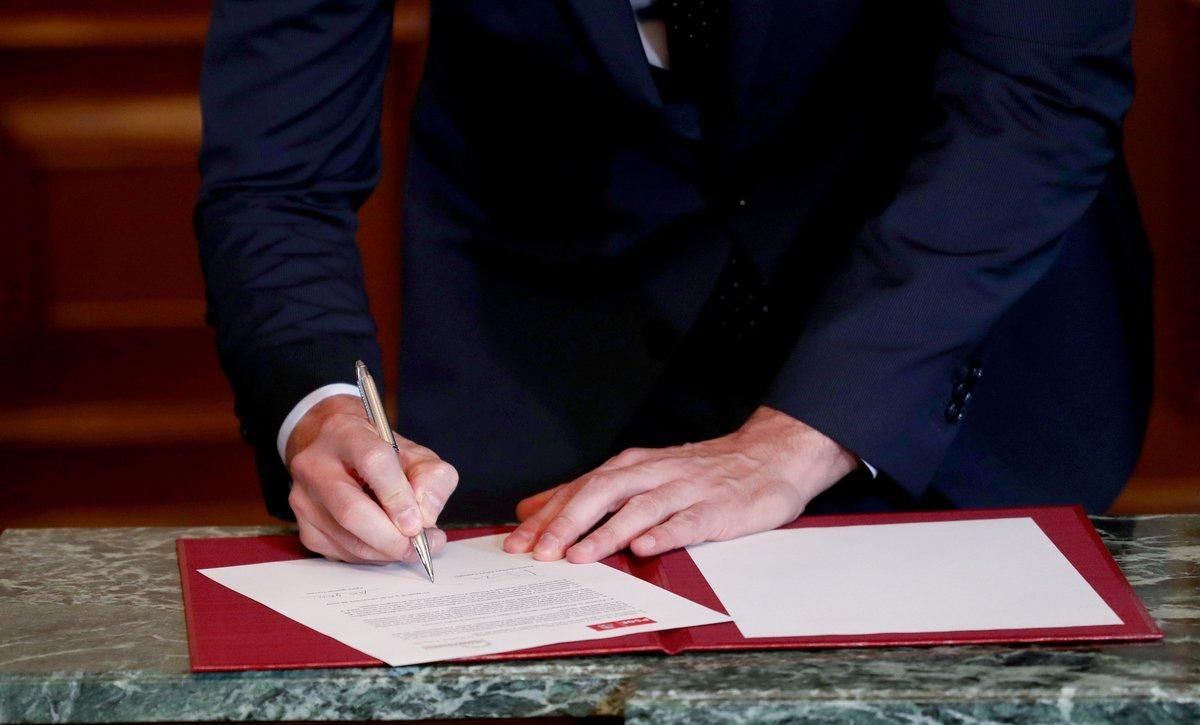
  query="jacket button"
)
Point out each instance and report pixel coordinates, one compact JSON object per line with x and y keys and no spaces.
{"x":954,"y":413}
{"x":975,"y":373}
{"x":961,"y":391}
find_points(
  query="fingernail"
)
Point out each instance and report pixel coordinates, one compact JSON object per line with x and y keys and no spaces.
{"x":409,"y":521}
{"x":518,"y":538}
{"x":547,"y":545}
{"x":647,"y":541}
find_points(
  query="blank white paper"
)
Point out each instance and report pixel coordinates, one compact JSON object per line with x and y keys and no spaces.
{"x":895,"y":578}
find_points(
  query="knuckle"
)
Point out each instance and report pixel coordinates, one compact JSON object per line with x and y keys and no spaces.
{"x":303,"y":464}
{"x":451,"y":484}
{"x":688,"y":520}
{"x":706,"y":522}
{"x":627,"y":457}
{"x":375,"y":462}
{"x":336,"y":424}
{"x":564,"y":522}
{"x":300,"y":504}
{"x":643,"y":505}
{"x":394,"y":497}
{"x":597,"y":483}
{"x":603,"y":537}
{"x":436,"y":472}
{"x":736,"y":464}
{"x":448,"y":474}
{"x":726,"y":485}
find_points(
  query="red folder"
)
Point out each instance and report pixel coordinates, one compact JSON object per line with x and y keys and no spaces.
{"x":227,"y":631}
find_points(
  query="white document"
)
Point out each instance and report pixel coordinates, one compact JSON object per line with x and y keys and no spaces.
{"x":485,"y":601}
{"x":893,"y":578}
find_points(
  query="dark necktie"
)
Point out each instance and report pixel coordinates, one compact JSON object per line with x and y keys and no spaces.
{"x":738,"y":312}
{"x":697,"y":32}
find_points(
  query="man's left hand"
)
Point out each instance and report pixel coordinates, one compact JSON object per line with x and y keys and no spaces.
{"x":759,"y":477}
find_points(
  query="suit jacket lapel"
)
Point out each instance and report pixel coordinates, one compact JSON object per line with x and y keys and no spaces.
{"x":611,"y":28}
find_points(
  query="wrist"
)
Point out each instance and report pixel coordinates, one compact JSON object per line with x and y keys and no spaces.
{"x":808,"y":459}
{"x":310,"y":424}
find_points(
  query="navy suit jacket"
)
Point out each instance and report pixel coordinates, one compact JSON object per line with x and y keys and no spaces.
{"x":935,"y":190}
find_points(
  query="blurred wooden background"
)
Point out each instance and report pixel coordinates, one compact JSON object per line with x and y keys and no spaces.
{"x":113,"y":410}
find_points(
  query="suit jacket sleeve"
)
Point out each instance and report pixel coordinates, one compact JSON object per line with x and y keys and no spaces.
{"x":1029,"y":101}
{"x":291,"y":94}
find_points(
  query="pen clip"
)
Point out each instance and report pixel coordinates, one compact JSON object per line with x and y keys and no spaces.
{"x":376,"y":415}
{"x":360,"y":369}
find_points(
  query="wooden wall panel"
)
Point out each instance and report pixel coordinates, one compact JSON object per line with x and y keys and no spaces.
{"x":101,"y":297}
{"x":1163,"y":148}
{"x":18,"y":308}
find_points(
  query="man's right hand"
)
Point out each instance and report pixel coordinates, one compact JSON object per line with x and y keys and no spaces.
{"x":339,"y":463}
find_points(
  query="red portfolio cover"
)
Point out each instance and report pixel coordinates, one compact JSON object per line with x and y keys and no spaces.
{"x":227,"y":631}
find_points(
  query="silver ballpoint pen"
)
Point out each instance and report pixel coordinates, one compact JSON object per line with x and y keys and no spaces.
{"x":378,"y":417}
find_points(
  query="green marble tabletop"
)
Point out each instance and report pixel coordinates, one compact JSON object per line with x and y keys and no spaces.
{"x":91,"y":630}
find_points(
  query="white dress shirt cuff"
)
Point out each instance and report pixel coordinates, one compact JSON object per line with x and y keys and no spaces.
{"x":306,"y":404}
{"x":869,"y":467}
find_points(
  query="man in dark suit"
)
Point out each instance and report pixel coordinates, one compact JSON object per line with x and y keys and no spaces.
{"x":700,"y":265}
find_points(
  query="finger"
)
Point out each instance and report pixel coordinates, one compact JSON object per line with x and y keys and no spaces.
{"x":348,"y":546}
{"x":531,"y":505}
{"x":521,"y":540}
{"x":531,"y":532}
{"x":319,"y":541}
{"x":639,"y":513}
{"x":352,"y":550}
{"x":377,"y":464}
{"x":356,"y":549}
{"x":311,"y":537}
{"x":436,"y":538}
{"x":342,"y":506}
{"x":602,"y":493}
{"x":692,"y":525}
{"x":308,"y":515}
{"x":630,"y":456}
{"x":433,"y":481}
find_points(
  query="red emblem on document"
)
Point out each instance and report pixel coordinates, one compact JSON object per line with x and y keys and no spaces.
{"x":618,"y":624}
